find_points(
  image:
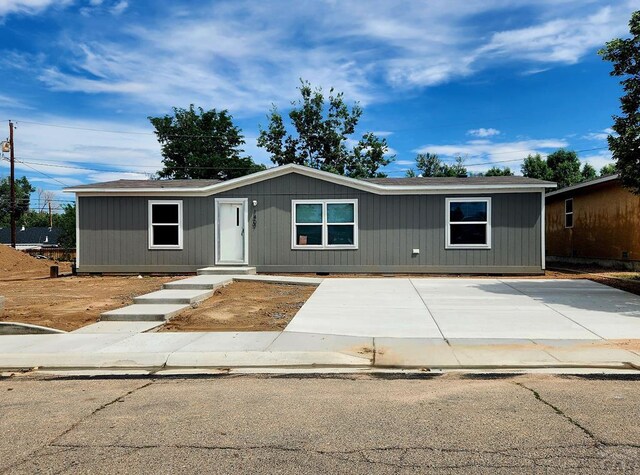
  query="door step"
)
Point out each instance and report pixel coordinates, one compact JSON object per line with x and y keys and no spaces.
{"x":143,"y":313}
{"x":227,"y":270}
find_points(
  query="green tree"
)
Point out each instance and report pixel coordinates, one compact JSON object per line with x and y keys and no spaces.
{"x":496,"y":171}
{"x":624,"y":54}
{"x":588,"y":172}
{"x":430,"y":165}
{"x":565,"y":167}
{"x":457,"y":168}
{"x":23,"y":199}
{"x":410,"y":173}
{"x":32,"y":219}
{"x":535,"y":166}
{"x":67,"y":221}
{"x":323,"y":128}
{"x":201,"y":144}
{"x":608,"y":169}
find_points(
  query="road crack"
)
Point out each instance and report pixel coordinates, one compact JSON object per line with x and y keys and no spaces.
{"x":561,"y":413}
{"x":53,"y":442}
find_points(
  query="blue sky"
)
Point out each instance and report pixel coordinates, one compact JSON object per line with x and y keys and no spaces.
{"x":492,"y":80}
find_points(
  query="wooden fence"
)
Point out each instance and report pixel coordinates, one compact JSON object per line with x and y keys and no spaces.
{"x":55,"y":253}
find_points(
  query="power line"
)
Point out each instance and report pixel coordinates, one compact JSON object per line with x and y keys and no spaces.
{"x":518,"y":151}
{"x":41,"y":172}
{"x":118,"y":132}
{"x":45,"y":163}
{"x":48,"y":163}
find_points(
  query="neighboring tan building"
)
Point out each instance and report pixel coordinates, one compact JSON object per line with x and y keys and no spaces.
{"x":597,"y":221}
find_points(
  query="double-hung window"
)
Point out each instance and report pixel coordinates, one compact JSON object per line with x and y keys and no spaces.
{"x":324,"y":224}
{"x":468,"y":223}
{"x":165,"y":224}
{"x":568,"y":213}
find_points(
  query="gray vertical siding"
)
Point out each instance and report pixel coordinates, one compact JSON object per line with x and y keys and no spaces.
{"x":114,"y":236}
{"x":113,"y":233}
{"x":390,"y":227}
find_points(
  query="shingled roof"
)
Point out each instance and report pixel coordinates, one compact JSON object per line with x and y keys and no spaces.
{"x":471,"y":180}
{"x":34,"y":235}
{"x":150,"y":184}
{"x":374,"y":185}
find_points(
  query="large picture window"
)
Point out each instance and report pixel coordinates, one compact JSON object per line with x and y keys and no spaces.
{"x":468,"y":223}
{"x":165,"y":224}
{"x":324,"y":224}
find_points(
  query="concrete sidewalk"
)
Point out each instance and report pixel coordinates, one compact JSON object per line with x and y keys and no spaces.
{"x":159,"y":351}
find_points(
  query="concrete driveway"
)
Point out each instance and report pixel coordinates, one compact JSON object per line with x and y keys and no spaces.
{"x":451,"y":308}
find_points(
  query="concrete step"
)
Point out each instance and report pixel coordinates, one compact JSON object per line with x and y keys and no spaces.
{"x":227,"y":270}
{"x":120,"y":326}
{"x":174,"y":296}
{"x":143,"y":313}
{"x":279,"y":279}
{"x":200,"y":282}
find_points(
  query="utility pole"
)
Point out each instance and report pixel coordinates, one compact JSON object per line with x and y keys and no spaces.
{"x":13,"y":187}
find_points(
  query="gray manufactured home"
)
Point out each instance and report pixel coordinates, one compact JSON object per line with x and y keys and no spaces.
{"x":296,"y":219}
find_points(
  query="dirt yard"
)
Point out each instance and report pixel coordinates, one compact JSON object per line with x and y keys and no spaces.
{"x":244,"y":306}
{"x":17,"y":265}
{"x":68,"y":303}
{"x":627,"y":281}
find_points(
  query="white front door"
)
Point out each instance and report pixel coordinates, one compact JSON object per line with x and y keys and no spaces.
{"x":231,"y":238}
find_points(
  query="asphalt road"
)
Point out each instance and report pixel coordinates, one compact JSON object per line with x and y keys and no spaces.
{"x":356,"y":424}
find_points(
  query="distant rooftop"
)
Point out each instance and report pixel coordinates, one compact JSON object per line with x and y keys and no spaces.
{"x":34,"y":235}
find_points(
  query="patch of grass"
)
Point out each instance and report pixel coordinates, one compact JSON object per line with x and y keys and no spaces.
{"x":628,"y":276}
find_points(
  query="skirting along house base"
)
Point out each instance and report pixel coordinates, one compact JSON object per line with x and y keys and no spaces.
{"x":296,"y":219}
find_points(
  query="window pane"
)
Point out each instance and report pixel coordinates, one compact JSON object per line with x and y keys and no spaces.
{"x":340,"y":213}
{"x":165,"y":235}
{"x":468,"y":211}
{"x":568,"y":220}
{"x":340,"y":235}
{"x":468,"y":234}
{"x":309,"y":213}
{"x":164,"y":214}
{"x":568,"y":206}
{"x":309,"y":235}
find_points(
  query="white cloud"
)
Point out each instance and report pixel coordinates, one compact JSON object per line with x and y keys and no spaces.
{"x":29,"y":7}
{"x":482,"y":154}
{"x":13,"y":103}
{"x":599,"y":136}
{"x":562,"y":40}
{"x":598,"y":160}
{"x":73,"y":156}
{"x":245,"y":55}
{"x":482,"y":132}
{"x":120,"y":7}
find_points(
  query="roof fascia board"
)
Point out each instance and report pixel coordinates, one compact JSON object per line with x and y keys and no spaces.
{"x":440,"y":191}
{"x":597,"y":181}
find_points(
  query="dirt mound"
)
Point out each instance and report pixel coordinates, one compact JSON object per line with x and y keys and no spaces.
{"x":17,"y":263}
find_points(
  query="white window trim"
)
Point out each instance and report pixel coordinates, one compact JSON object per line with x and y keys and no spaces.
{"x":325,"y":224}
{"x":487,"y":223}
{"x":151,"y":224}
{"x":566,"y":214}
